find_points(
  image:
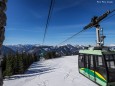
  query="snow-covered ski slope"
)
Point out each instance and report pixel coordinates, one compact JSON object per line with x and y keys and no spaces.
{"x":54,"y":72}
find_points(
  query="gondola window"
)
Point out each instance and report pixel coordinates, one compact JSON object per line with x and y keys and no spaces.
{"x":110,"y":61}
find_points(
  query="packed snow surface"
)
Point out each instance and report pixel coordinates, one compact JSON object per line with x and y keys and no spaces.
{"x":54,"y":72}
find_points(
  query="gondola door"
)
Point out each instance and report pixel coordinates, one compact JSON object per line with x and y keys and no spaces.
{"x":92,"y":67}
{"x":86,"y":66}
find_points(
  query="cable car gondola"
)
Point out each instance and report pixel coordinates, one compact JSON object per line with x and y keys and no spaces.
{"x":98,"y":63}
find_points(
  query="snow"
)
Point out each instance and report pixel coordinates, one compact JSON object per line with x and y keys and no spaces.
{"x":54,"y":72}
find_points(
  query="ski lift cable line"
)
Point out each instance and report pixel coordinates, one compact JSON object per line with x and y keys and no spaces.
{"x":47,"y":22}
{"x":48,"y":19}
{"x":71,"y":37}
{"x":83,"y":30}
{"x":108,"y":17}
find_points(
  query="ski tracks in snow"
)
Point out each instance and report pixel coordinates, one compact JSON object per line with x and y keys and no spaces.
{"x":54,"y":72}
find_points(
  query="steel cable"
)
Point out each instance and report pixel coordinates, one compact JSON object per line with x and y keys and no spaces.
{"x":48,"y":19}
{"x":83,"y":30}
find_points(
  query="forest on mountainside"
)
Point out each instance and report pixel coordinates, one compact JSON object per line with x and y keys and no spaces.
{"x":13,"y":64}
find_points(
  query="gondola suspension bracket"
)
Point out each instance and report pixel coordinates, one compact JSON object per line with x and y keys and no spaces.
{"x":95,"y":23}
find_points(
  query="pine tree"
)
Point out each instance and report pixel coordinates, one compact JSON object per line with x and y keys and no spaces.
{"x":15,"y":63}
{"x":18,"y":63}
{"x":21,"y":65}
{"x":54,"y":54}
{"x":37,"y":58}
{"x":24,"y":57}
{"x":8,"y":71}
{"x":3,"y":65}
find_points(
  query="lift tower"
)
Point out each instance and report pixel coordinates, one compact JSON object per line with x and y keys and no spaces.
{"x":2,"y":30}
{"x":95,"y":23}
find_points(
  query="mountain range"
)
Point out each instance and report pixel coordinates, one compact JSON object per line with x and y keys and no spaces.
{"x":38,"y":49}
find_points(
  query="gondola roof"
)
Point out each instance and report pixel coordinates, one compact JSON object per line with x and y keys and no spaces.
{"x":97,"y":51}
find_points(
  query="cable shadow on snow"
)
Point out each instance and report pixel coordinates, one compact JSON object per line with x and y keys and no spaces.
{"x":34,"y":70}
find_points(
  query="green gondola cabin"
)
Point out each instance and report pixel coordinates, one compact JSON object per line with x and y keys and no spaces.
{"x":98,"y":65}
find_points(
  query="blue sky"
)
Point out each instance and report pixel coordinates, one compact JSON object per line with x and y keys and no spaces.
{"x":26,"y":21}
